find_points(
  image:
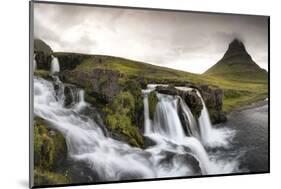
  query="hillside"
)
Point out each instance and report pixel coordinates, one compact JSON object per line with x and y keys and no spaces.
{"x":41,"y":46}
{"x":237,"y":65}
{"x":238,"y":91}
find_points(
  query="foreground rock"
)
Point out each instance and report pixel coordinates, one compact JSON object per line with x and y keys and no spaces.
{"x":98,"y":83}
{"x":213,"y":98}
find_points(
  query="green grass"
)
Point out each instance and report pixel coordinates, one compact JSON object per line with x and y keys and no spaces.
{"x":233,"y":77}
{"x":44,"y":177}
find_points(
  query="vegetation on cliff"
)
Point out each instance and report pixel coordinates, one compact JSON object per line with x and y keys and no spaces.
{"x":50,"y":152}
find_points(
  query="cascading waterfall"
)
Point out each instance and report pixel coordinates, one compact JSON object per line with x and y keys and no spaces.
{"x":166,"y":126}
{"x":166,"y":120}
{"x":55,"y":67}
{"x":114,"y":160}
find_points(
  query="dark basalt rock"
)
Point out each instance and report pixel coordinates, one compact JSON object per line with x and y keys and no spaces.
{"x":213,"y":98}
{"x":170,"y":90}
{"x":69,"y":61}
{"x":100,"y":83}
{"x":186,"y":159}
{"x":147,"y":142}
{"x":43,"y":60}
{"x":193,"y":101}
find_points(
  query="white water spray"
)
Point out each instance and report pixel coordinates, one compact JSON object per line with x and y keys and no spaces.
{"x":212,"y":137}
{"x":81,"y":104}
{"x":55,"y":66}
{"x":114,"y":160}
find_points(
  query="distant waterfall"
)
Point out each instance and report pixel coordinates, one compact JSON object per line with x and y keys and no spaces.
{"x":55,"y":66}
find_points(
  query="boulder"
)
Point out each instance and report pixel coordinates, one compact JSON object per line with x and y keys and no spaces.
{"x":99,"y":83}
{"x":213,"y":97}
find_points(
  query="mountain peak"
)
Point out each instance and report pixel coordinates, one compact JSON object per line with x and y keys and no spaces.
{"x":237,"y":64}
{"x":236,"y":47}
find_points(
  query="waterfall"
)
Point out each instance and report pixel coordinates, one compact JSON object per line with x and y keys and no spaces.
{"x":55,"y":67}
{"x":147,"y":121}
{"x":166,"y":120}
{"x":34,"y":63}
{"x":111,"y":159}
{"x":212,"y":137}
{"x":81,"y":103}
{"x":190,"y":122}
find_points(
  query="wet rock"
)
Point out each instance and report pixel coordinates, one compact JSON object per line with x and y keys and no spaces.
{"x":185,"y":159}
{"x":213,"y":97}
{"x":147,"y":142}
{"x":100,"y":83}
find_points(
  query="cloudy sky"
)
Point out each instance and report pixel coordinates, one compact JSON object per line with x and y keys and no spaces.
{"x":181,"y":40}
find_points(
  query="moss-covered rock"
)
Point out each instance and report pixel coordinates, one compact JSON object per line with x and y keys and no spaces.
{"x":49,"y":146}
{"x":43,"y":60}
{"x":213,"y":97}
{"x":101,"y":84}
{"x":50,"y":153}
{"x":43,"y":73}
{"x":44,"y":177}
{"x":119,"y":114}
{"x":193,"y":101}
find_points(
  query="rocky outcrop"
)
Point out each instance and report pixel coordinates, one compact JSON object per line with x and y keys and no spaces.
{"x":69,"y":61}
{"x":41,"y":46}
{"x":43,"y":60}
{"x":213,"y":98}
{"x":100,"y":84}
{"x":50,"y":152}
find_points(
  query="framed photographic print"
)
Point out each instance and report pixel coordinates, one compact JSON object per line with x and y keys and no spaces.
{"x":125,"y":94}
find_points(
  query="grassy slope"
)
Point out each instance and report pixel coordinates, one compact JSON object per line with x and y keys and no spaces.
{"x":252,"y":81}
{"x":239,"y":90}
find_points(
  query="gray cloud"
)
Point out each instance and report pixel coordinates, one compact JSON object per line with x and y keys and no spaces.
{"x":181,"y":40}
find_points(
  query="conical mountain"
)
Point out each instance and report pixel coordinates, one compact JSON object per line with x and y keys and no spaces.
{"x":237,"y":64}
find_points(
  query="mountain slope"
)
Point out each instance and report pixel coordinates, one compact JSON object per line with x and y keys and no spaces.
{"x":238,"y":65}
{"x":237,"y":91}
{"x":41,"y":46}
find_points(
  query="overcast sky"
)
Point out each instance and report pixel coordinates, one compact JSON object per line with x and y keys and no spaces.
{"x":181,"y":40}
